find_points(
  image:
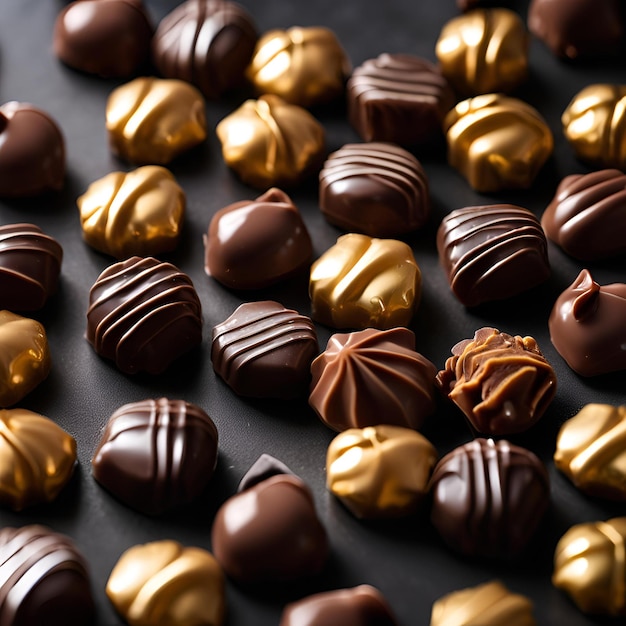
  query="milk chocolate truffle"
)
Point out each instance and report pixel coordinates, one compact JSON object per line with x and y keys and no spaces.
{"x":45,"y":579}
{"x":378,"y":189}
{"x":497,"y":142}
{"x":154,"y":120}
{"x":398,"y":98}
{"x":269,"y":142}
{"x":492,"y":252}
{"x":363,"y":282}
{"x":156,"y":455}
{"x":109,"y":38}
{"x":380,"y":471}
{"x":304,"y":65}
{"x":372,"y":377}
{"x":489,"y":498}
{"x":24,"y":357}
{"x":502,"y":383}
{"x":587,"y":326}
{"x":256,"y":243}
{"x":143,"y":314}
{"x":32,"y":151}
{"x":264,"y":350}
{"x":30,"y":264}
{"x":163,"y":583}
{"x":208,"y":43}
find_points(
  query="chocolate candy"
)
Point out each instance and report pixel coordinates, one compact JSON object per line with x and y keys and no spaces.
{"x":24,"y":357}
{"x":264,"y":350}
{"x":143,"y":314}
{"x":370,"y":377}
{"x":492,"y":252}
{"x":269,"y":142}
{"x":156,"y":455}
{"x":380,"y":471}
{"x":497,"y":142}
{"x":587,"y":326}
{"x":398,"y":98}
{"x":305,"y":66}
{"x":489,"y":498}
{"x":208,"y":43}
{"x":363,"y":282}
{"x":45,"y":579}
{"x":163,"y":582}
{"x":154,"y":120}
{"x":134,"y":213}
{"x":502,"y":383}
{"x":32,"y":151}
{"x":378,"y":189}
{"x":256,"y":243}
{"x":109,"y":38}
{"x":30,"y":263}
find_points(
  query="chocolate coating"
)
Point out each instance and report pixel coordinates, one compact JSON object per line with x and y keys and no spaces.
{"x":143,"y":314}
{"x":587,"y":326}
{"x":492,"y":252}
{"x":489,"y":498}
{"x":256,"y":243}
{"x":378,"y":189}
{"x":264,"y":350}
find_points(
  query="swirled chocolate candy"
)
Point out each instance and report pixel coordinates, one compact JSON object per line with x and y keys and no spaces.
{"x":363,"y":282}
{"x":208,"y":43}
{"x":30,"y":264}
{"x":163,"y":583}
{"x":497,"y":142}
{"x":256,"y":243}
{"x":398,"y":98}
{"x":24,"y":357}
{"x":109,"y":38}
{"x":264,"y":350}
{"x":492,"y":252}
{"x":378,"y":189}
{"x":154,"y":120}
{"x":303,"y":65}
{"x":488,"y":498}
{"x":369,"y":377}
{"x":269,"y":531}
{"x":380,"y":471}
{"x":269,"y":142}
{"x":133,"y":213}
{"x":156,"y":455}
{"x":484,"y":51}
{"x":32,"y":151}
{"x":589,"y":566}
{"x":502,"y":383}
{"x":143,"y":314}
{"x":587,"y":326}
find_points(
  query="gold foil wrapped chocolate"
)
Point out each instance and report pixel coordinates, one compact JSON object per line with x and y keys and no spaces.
{"x":135,"y":213}
{"x":153,"y":120}
{"x":163,"y":583}
{"x":497,"y":142}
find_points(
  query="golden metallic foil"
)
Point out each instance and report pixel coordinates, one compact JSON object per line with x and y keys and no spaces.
{"x":153,"y":120}
{"x":305,"y":66}
{"x":497,"y":142}
{"x":363,"y":282}
{"x":594,"y":124}
{"x":270,"y":142}
{"x":483,"y":51}
{"x":590,"y":565}
{"x":135,"y":213}
{"x":164,"y":583}
{"x":380,"y":471}
{"x":37,"y":458}
{"x":24,"y":357}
